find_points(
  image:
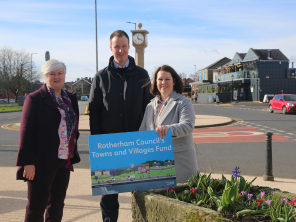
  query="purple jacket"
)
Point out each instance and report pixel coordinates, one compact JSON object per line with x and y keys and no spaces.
{"x":39,"y":140}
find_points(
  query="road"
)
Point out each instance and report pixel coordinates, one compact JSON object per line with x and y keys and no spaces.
{"x":243,"y":143}
{"x":219,"y":149}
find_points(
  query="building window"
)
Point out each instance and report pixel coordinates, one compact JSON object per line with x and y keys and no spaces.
{"x":200,"y":77}
{"x":204,"y":76}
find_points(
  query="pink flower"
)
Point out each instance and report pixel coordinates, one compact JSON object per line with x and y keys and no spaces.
{"x":243,"y":192}
{"x":193,"y":190}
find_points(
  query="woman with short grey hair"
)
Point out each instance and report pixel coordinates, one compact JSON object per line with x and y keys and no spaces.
{"x":48,"y":144}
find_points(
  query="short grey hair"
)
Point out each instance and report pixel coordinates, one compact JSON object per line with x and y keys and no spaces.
{"x":52,"y":65}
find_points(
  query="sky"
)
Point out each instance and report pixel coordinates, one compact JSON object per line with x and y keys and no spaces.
{"x":188,"y":35}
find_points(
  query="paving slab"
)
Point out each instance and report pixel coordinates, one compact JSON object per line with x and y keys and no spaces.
{"x":80,"y":205}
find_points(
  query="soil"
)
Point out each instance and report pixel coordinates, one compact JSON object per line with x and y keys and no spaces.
{"x":232,"y":216}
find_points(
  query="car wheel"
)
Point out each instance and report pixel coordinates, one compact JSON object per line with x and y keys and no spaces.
{"x":270,"y":109}
{"x":284,"y":110}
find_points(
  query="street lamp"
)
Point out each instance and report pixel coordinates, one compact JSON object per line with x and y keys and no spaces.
{"x":133,"y":23}
{"x":231,"y":87}
{"x":31,"y":71}
{"x":195,"y":70}
{"x":96,"y":36}
{"x":135,"y":29}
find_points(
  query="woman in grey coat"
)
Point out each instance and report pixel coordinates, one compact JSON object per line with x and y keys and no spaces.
{"x":171,"y":110}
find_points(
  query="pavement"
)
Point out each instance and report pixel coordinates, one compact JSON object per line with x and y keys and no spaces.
{"x":80,"y":205}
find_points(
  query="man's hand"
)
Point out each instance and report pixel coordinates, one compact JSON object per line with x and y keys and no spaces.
{"x":162,"y":131}
{"x":29,"y":172}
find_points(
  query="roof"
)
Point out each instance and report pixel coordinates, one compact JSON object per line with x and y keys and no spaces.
{"x":81,"y":80}
{"x":242,"y":55}
{"x":69,"y":83}
{"x":223,"y":65}
{"x":276,"y":54}
{"x":218,"y":63}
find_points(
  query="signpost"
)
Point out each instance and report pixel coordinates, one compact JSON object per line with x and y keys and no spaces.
{"x":134,"y":161}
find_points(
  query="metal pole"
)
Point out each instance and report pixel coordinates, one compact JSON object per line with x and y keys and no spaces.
{"x":31,"y":72}
{"x":258,"y":91}
{"x":268,"y":176}
{"x":96,"y":38}
{"x":231,"y":90}
{"x":135,"y":29}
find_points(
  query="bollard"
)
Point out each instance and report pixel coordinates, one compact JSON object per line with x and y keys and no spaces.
{"x":86,"y":110}
{"x":268,"y":158}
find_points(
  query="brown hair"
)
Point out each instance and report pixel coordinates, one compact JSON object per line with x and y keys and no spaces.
{"x":178,"y":87}
{"x":119,"y":33}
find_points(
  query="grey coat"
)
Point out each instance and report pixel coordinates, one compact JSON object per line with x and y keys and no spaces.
{"x":180,"y":117}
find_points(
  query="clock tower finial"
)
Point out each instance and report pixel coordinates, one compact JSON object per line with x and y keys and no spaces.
{"x":140,"y":42}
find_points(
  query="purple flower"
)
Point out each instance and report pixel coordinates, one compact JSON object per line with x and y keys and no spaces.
{"x":294,"y":204}
{"x":236,"y":172}
{"x":243,"y":192}
{"x":250,"y":196}
{"x":284,"y":199}
{"x":167,"y":188}
{"x":276,"y":203}
{"x":262,"y":194}
{"x":268,"y":201}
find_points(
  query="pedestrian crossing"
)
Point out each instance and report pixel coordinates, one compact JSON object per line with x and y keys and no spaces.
{"x":234,"y":107}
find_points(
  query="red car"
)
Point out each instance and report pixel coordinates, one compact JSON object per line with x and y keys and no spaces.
{"x":283,"y":102}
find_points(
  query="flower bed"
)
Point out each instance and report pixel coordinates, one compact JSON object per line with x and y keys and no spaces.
{"x":207,"y":199}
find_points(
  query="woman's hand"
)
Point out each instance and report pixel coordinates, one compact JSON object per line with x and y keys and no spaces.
{"x":162,"y":131}
{"x":29,"y":172}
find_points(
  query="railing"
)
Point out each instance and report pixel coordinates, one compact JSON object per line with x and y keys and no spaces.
{"x":238,"y":75}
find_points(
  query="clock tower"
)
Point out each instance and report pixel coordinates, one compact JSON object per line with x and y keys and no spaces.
{"x":140,"y":42}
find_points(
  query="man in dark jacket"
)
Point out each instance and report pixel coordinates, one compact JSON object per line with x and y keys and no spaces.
{"x":117,"y":102}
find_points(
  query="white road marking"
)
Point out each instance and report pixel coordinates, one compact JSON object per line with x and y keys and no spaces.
{"x":226,"y":134}
{"x":9,"y":145}
{"x":291,"y":133}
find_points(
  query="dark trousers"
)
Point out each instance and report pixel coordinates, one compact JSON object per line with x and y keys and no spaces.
{"x":109,"y":207}
{"x":48,"y":193}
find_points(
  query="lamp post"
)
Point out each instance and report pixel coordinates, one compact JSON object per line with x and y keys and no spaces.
{"x":133,"y":23}
{"x":31,"y":71}
{"x":135,"y":29}
{"x":96,"y":36}
{"x":231,"y":88}
{"x":194,"y":69}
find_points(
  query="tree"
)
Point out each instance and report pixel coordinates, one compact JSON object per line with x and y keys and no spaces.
{"x":182,"y":75}
{"x":15,"y":71}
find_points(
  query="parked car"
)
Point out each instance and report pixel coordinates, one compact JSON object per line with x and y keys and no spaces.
{"x":283,"y":102}
{"x":84,"y":98}
{"x":2,"y":101}
{"x":12,"y":100}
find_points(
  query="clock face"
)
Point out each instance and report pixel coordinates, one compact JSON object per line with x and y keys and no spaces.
{"x":138,"y":38}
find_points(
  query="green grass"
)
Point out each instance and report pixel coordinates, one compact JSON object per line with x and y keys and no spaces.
{"x":8,"y":107}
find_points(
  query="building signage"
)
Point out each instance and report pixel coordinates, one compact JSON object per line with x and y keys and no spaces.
{"x":134,"y":161}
